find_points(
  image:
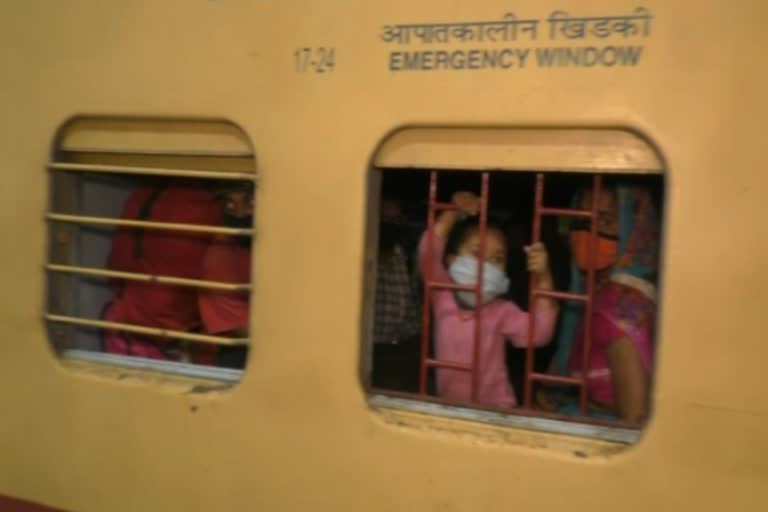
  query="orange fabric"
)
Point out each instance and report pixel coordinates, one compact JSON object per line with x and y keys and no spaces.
{"x":223,"y":311}
{"x":163,"y":253}
{"x":606,"y":249}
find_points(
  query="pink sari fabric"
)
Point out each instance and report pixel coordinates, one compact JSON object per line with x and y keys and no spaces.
{"x":130,"y":344}
{"x":620,"y":311}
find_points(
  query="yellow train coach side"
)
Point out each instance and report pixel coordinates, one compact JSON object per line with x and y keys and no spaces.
{"x":313,"y":102}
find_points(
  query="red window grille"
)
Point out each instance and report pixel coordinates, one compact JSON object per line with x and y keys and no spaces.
{"x":531,"y":376}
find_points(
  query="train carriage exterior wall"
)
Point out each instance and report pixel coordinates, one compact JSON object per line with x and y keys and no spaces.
{"x":298,"y":431}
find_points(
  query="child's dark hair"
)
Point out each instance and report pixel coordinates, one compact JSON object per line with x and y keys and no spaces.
{"x":224,"y":187}
{"x":465,"y":228}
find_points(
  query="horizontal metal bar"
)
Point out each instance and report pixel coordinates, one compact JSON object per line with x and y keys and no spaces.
{"x":161,"y":152}
{"x":132,"y":276}
{"x":559,"y":379}
{"x":451,"y":286}
{"x":150,"y":171}
{"x":194,"y":371}
{"x":170,"y":226}
{"x":446,"y":206}
{"x":436,"y":363}
{"x":141,"y":329}
{"x":516,"y":418}
{"x":566,"y":212}
{"x":554,"y":294}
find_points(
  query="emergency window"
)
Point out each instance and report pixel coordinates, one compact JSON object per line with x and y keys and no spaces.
{"x":150,"y":226}
{"x":543,"y":348}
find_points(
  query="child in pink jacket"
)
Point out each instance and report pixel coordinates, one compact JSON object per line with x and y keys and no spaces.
{"x":455,"y":248}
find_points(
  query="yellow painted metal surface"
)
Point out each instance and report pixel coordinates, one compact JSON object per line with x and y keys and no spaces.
{"x":297,"y":432}
{"x":519,"y":149}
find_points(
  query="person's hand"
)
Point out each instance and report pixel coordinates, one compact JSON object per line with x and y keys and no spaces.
{"x":537,"y":262}
{"x":467,"y":202}
{"x":537,"y":259}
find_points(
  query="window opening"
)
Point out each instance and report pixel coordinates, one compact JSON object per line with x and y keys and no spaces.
{"x":149,"y":260}
{"x":561,"y":213}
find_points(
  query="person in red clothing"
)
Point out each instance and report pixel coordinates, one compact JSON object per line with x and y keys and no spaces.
{"x":160,"y":252}
{"x":228,"y":259}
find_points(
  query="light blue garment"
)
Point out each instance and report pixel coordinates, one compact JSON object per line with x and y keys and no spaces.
{"x":464,"y":270}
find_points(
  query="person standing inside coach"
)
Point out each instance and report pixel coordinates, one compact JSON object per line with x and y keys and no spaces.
{"x":228,"y":259}
{"x":163,"y":253}
{"x":397,"y":311}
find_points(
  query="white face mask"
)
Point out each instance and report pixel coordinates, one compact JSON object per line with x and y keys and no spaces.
{"x":463,"y":271}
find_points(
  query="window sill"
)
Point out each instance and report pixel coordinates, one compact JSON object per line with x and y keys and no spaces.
{"x":397,"y":409}
{"x":180,"y":377}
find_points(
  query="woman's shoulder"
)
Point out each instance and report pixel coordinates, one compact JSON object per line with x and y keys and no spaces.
{"x":627,"y":283}
{"x":624,"y":304}
{"x":623,"y":287}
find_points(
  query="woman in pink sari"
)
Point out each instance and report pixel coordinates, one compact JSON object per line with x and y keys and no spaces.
{"x":621,"y":355}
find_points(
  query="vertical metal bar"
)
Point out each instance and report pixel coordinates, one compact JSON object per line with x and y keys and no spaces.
{"x":535,"y":236}
{"x":483,"y":236}
{"x":587,"y":345}
{"x":426,"y":309}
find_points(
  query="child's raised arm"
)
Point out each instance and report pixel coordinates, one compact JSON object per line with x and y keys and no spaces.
{"x":467,"y":203}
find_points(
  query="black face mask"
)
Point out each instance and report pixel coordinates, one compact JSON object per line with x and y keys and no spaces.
{"x":245,"y":222}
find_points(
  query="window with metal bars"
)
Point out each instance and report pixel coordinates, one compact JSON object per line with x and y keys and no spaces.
{"x":150,"y":227}
{"x":559,"y":385}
